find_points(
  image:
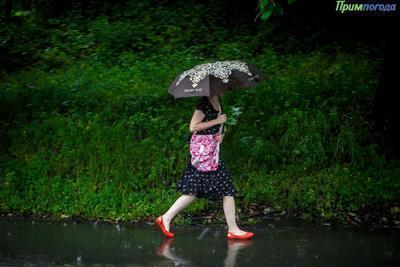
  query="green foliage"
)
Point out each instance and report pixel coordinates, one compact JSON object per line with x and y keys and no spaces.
{"x":88,"y":129}
{"x":269,"y":7}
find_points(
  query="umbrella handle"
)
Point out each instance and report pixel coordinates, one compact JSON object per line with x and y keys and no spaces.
{"x":220,"y":112}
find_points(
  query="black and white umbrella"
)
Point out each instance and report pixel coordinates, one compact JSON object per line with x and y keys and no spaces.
{"x":211,"y":78}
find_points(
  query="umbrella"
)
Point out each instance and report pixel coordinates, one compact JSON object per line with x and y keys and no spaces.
{"x":211,"y":78}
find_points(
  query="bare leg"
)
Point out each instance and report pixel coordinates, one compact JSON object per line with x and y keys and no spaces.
{"x":229,"y":210}
{"x":182,"y":202}
{"x":169,"y":253}
{"x":233,"y":249}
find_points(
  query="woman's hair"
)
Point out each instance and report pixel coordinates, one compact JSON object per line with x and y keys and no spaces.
{"x":217,"y":92}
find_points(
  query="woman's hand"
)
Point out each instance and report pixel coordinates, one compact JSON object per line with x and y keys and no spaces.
{"x":220,"y":137}
{"x":221,"y":118}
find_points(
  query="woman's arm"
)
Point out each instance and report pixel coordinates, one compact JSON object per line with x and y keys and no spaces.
{"x":198,"y":116}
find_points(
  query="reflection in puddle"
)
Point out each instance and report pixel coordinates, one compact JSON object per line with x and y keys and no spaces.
{"x":234,"y":246}
{"x":27,"y":242}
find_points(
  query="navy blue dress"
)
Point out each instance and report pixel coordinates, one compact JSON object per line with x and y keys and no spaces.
{"x":211,"y":185}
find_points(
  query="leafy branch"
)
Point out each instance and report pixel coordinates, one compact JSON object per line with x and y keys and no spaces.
{"x":268,"y":7}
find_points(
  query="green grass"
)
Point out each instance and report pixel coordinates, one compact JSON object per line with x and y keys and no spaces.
{"x":89,"y":129}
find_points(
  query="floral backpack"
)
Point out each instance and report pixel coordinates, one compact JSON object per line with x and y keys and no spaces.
{"x":204,"y":150}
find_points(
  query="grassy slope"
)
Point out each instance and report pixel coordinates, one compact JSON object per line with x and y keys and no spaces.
{"x":89,"y":130}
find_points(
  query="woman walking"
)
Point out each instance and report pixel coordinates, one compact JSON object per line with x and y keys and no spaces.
{"x":212,"y":185}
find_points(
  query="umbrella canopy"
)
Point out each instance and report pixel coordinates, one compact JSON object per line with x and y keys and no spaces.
{"x":212,"y":78}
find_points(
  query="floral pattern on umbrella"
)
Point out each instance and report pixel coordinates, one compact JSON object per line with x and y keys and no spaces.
{"x":220,"y":69}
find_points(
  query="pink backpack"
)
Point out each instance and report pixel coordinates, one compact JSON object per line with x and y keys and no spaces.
{"x":204,"y":150}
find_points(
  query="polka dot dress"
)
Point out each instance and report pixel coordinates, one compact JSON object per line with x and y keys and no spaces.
{"x":211,"y":185}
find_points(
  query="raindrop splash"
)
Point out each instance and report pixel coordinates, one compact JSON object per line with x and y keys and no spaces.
{"x":203,"y":233}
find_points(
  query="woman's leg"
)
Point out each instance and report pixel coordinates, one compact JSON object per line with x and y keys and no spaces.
{"x":229,"y":210}
{"x":182,"y":202}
